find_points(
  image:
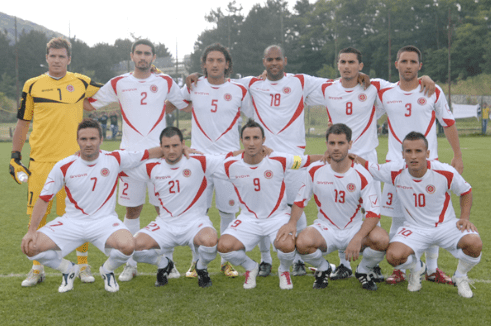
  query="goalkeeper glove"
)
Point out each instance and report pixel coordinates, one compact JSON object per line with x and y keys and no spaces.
{"x":16,"y":166}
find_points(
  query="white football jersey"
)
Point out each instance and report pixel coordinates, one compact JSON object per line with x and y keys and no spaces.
{"x":90,"y":186}
{"x":354,"y":107}
{"x":413,"y":111}
{"x":426,"y":201}
{"x":340,"y":197}
{"x":279,"y":108}
{"x":261,"y":188}
{"x":216,"y":111}
{"x":142,"y":103}
{"x":179,"y":187}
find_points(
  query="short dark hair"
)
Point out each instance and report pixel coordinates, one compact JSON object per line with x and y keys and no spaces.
{"x":59,"y":43}
{"x":171,"y":132}
{"x":220,"y":48}
{"x":251,"y":124}
{"x":351,"y":50}
{"x":144,"y":42}
{"x":414,"y":135}
{"x":410,"y":48}
{"x":339,"y":129}
{"x":89,"y":123}
{"x":274,"y":46}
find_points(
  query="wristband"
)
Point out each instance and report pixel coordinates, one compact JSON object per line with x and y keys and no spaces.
{"x":16,"y":155}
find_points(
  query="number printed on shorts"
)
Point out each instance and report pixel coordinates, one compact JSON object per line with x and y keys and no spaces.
{"x":125,"y":185}
{"x":235,"y":224}
{"x":152,"y":227}
{"x":405,"y":232}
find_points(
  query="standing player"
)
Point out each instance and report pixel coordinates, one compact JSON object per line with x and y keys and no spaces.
{"x":260,"y":186}
{"x":141,"y":95}
{"x":180,"y":184}
{"x":216,"y":104}
{"x":349,"y":103}
{"x":408,"y":111}
{"x":56,"y":99}
{"x":340,"y":189}
{"x":420,"y":182}
{"x":90,"y":179}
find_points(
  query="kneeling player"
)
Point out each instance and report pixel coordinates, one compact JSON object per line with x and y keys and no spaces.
{"x":90,"y":180}
{"x":423,"y":188}
{"x":340,"y":190}
{"x":180,"y":185}
{"x":260,"y":186}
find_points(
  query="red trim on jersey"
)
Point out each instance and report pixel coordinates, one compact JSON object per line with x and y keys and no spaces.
{"x":354,"y":215}
{"x":282,"y":160}
{"x":302,"y":147}
{"x":149,"y":167}
{"x":467,"y":192}
{"x":169,"y":81}
{"x":146,"y":155}
{"x":232,"y":125}
{"x":317,"y":201}
{"x":258,"y":115}
{"x":370,"y":214}
{"x":368,"y":124}
{"x":381,"y":93}
{"x":202,"y":160}
{"x":364,"y":181}
{"x":308,"y":162}
{"x":324,"y":86}
{"x":300,"y":204}
{"x":322,"y":212}
{"x":162,"y":204}
{"x":229,"y":154}
{"x":244,"y":90}
{"x":376,"y":84}
{"x":46,"y":198}
{"x":122,"y":174}
{"x":445,"y":207}
{"x":432,"y":121}
{"x":448,"y":122}
{"x":125,"y":118}
{"x":162,"y":115}
{"x":253,"y":80}
{"x":64,"y":168}
{"x":116,"y":155}
{"x":227,"y":167}
{"x":243,"y":203}
{"x":282,"y":194}
{"x":301,"y":78}
{"x":201,"y":190}
{"x":394,"y":174}
{"x":198,"y":124}
{"x":437,"y":93}
{"x":73,"y":201}
{"x":297,"y":113}
{"x":392,"y":131}
{"x":110,"y":195}
{"x":313,"y":170}
{"x":447,"y":174}
{"x":367,"y":166}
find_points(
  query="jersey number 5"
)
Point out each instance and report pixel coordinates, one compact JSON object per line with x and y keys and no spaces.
{"x":215,"y":105}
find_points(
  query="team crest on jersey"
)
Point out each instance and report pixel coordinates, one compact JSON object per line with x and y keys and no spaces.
{"x":287,"y":90}
{"x":154,"y":88}
{"x":430,"y":189}
{"x":268,"y":174}
{"x":231,"y":202}
{"x":362,"y":97}
{"x":351,"y":187}
{"x":421,"y":101}
{"x":105,"y":172}
{"x":227,"y":97}
{"x":186,"y":173}
{"x":70,"y":88}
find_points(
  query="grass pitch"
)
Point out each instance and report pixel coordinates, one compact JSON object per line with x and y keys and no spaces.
{"x":182,"y":302}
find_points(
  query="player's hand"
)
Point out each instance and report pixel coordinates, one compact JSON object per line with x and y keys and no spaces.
{"x":169,"y":107}
{"x":353,"y":249}
{"x":464,"y":225}
{"x":458,"y":164}
{"x":364,"y":80}
{"x":326,"y":159}
{"x":192,"y":79}
{"x":87,"y":106}
{"x":427,"y":85}
{"x":26,"y":241}
{"x":264,"y":75}
{"x":267,"y":151}
{"x":188,"y":151}
{"x":289,"y":230}
{"x":16,"y":166}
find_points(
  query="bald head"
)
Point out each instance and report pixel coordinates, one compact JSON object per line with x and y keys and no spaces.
{"x":275,"y":47}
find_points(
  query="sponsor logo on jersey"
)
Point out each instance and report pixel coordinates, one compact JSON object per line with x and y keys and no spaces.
{"x":335,"y":98}
{"x":186,"y":173}
{"x":115,"y":224}
{"x":242,"y":176}
{"x":268,"y":174}
{"x":163,"y":178}
{"x":231,"y":202}
{"x":362,"y":97}
{"x":287,"y":90}
{"x":154,"y":88}
{"x":393,"y":102}
{"x":78,"y":175}
{"x":227,"y":97}
{"x":129,"y":90}
{"x":421,"y":101}
{"x":351,"y":187}
{"x":374,"y":200}
{"x":70,"y":88}
{"x":105,"y":172}
{"x":201,"y":93}
{"x":430,"y":189}
{"x":404,"y":187}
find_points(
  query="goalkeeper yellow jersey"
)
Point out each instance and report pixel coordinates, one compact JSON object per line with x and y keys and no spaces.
{"x":56,"y":108}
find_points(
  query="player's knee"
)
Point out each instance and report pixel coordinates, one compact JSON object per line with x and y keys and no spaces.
{"x":471,"y":245}
{"x":394,"y":257}
{"x":208,"y":238}
{"x":304,"y":243}
{"x":224,"y":245}
{"x":287,"y":245}
{"x":379,"y":239}
{"x":127,"y":247}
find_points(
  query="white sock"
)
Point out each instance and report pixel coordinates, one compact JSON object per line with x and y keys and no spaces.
{"x":264,"y":247}
{"x":116,"y":259}
{"x":225,"y":220}
{"x":286,"y":260}
{"x":50,"y":258}
{"x":409,"y":264}
{"x":466,"y":263}
{"x":150,"y":256}
{"x":239,"y":257}
{"x":317,"y":260}
{"x":342,"y":259}
{"x":432,"y":258}
{"x":206,"y":255}
{"x":370,"y":259}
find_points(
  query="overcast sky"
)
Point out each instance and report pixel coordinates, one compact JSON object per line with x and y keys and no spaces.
{"x":165,"y":21}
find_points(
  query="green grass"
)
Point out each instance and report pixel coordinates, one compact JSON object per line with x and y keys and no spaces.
{"x":182,"y":302}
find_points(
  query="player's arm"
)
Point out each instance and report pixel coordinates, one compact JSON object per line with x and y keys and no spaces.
{"x":453,"y":139}
{"x":192,"y":79}
{"x":38,"y":212}
{"x":464,"y":222}
{"x":169,"y":107}
{"x":354,"y":247}
{"x":87,"y":106}
{"x":427,"y":85}
{"x":18,"y":141}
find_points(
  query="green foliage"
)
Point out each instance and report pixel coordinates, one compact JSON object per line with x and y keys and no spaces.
{"x":477,"y":85}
